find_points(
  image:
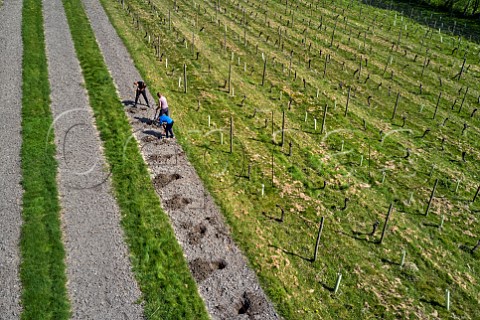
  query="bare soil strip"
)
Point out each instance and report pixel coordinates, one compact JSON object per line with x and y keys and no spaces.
{"x":228,"y":286}
{"x":100,"y":281}
{"x":11,"y":51}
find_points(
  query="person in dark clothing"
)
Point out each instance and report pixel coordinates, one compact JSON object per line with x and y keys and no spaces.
{"x":164,"y":119}
{"x":141,"y":90}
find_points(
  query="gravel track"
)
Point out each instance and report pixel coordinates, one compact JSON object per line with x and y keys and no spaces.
{"x":100,"y":281}
{"x":228,"y":286}
{"x":11,"y":51}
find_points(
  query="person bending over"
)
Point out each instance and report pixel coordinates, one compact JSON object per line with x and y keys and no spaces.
{"x":164,"y":119}
{"x":141,"y":90}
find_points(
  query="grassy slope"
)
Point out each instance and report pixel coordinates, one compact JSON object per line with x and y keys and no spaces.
{"x":42,"y":268}
{"x":373,"y":284}
{"x":160,"y":268}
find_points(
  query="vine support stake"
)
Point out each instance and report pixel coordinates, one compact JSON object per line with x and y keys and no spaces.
{"x":230,"y":78}
{"x":231,"y":134}
{"x":396,"y":105}
{"x":476,"y":194}
{"x":337,"y":284}
{"x":264,"y":71}
{"x":447,"y":299}
{"x":402,"y":262}
{"x":436,"y":107}
{"x":348,"y":100}
{"x":390,"y":209}
{"x":324,"y":118}
{"x":463,"y":100}
{"x":184,"y":78}
{"x":431,"y":197}
{"x":319,"y":234}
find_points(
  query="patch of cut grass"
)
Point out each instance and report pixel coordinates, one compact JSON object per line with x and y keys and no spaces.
{"x":168,"y":288}
{"x":42,"y":268}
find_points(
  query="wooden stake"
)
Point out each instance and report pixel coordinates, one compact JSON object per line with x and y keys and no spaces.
{"x":461,"y":70}
{"x":229,"y":78}
{"x":324,"y":118}
{"x":348,"y":99}
{"x":431,"y":197}
{"x":184,"y":78}
{"x":272,"y":167}
{"x":476,"y":194}
{"x":283,"y":128}
{"x":396,"y":104}
{"x":333,"y":33}
{"x":319,"y":234}
{"x":231,"y":134}
{"x":463,"y":100}
{"x":264,"y":71}
{"x":386,"y":222}
{"x":436,"y":107}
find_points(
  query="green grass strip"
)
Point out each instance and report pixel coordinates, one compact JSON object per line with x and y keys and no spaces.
{"x":168,"y":288}
{"x":42,"y":269}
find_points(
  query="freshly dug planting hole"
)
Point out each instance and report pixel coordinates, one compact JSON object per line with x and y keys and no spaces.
{"x":197,"y":234}
{"x":148,"y":139}
{"x":162,"y":179}
{"x":159,"y":158}
{"x":202,"y":269}
{"x":177,"y":202}
{"x":250,"y":304}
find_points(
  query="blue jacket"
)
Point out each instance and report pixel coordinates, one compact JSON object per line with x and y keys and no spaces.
{"x":165,"y":118}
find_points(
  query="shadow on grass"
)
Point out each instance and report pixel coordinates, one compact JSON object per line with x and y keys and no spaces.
{"x":311,"y":132}
{"x":431,"y":224}
{"x":419,"y":10}
{"x":388,"y":261}
{"x":292,"y":253}
{"x":326,"y":287}
{"x":415,"y":213}
{"x":359,"y":236}
{"x":468,"y":248}
{"x":271,"y":217}
{"x":431,"y":302}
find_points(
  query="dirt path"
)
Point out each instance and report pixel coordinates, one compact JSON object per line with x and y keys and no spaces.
{"x":228,"y":286}
{"x":100,"y":281}
{"x":11,"y":51}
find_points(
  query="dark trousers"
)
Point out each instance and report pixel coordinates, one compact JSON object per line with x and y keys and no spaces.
{"x":168,"y":129}
{"x":144,"y":94}
{"x":165,"y":112}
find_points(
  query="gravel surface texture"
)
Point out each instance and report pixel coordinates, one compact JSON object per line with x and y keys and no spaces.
{"x":100,"y":281}
{"x":11,"y":51}
{"x":228,"y":286}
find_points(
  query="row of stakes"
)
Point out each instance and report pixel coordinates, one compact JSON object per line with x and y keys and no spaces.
{"x":339,"y":275}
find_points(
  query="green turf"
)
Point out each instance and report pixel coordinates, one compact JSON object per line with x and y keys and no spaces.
{"x":373,"y":285}
{"x":168,"y":289}
{"x":42,"y":268}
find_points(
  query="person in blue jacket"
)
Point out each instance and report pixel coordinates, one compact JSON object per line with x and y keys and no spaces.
{"x":164,"y":119}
